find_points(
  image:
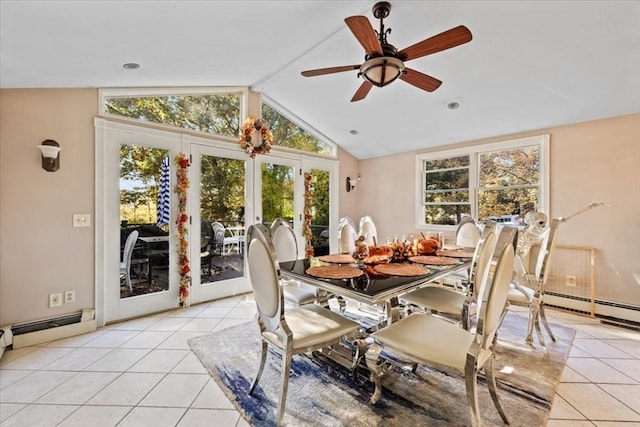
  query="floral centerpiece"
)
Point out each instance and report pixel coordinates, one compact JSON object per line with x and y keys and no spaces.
{"x":251,"y":126}
{"x":182,"y":186}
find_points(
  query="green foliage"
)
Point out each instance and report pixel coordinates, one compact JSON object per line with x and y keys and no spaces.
{"x":288,"y":134}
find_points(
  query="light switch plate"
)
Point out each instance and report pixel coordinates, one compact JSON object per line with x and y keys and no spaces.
{"x":81,"y":220}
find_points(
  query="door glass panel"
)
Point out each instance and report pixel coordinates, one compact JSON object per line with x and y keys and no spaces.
{"x":278,"y":185}
{"x":320,"y":211}
{"x":222,"y":201}
{"x":144,"y":208}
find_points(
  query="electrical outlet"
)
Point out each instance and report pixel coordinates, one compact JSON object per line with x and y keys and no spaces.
{"x":81,"y":220}
{"x":55,"y":300}
{"x":69,"y":296}
{"x":570,"y":281}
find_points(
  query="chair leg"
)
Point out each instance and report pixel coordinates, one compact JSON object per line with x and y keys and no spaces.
{"x":127,"y":279}
{"x":491,"y":383}
{"x":543,"y":316}
{"x":471,"y":381}
{"x":286,"y":367}
{"x":374,"y":363}
{"x":263,"y":358}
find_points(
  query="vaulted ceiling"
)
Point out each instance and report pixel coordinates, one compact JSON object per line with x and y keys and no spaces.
{"x":530,"y":65}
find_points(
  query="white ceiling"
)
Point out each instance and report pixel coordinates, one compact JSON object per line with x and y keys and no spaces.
{"x":530,"y":65}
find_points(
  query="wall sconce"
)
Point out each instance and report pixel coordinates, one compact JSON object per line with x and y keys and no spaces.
{"x":50,"y":155}
{"x":351,"y":183}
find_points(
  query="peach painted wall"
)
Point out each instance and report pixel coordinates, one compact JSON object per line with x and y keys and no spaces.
{"x":40,"y":251}
{"x":591,"y":161}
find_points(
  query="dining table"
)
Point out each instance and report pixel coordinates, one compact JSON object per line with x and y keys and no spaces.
{"x":381,"y":284}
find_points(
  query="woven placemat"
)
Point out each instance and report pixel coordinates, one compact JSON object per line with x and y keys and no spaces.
{"x":337,"y":259}
{"x":432,"y":260}
{"x":334,"y":272}
{"x":401,"y":269}
{"x":452,"y":247}
{"x":455,"y":254}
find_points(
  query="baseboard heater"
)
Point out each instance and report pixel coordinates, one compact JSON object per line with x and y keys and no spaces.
{"x":609,"y":312}
{"x":41,"y":331}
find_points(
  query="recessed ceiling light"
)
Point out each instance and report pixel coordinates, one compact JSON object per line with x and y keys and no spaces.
{"x":353,"y":132}
{"x":453,"y":106}
{"x":131,"y":66}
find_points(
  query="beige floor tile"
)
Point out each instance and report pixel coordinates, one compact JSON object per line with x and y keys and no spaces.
{"x":39,"y":416}
{"x":627,"y":394}
{"x":179,"y":340}
{"x":215,"y":312}
{"x":190,"y":312}
{"x":95,"y":416}
{"x":562,"y":410}
{"x":597,"y":371}
{"x":156,"y":417}
{"x":631,"y":347}
{"x":76,"y":341}
{"x":176,"y":390}
{"x":569,"y":423}
{"x":135,"y":324}
{"x":630,"y":367}
{"x":159,"y":360}
{"x":200,"y":325}
{"x":9,"y":356}
{"x":79,"y":388}
{"x":246,"y":313}
{"x":147,"y":339}
{"x":37,"y":359}
{"x":118,"y":360}
{"x":8,"y":409}
{"x":600,"y":348}
{"x":170,"y":324}
{"x":595,"y":404}
{"x":227,"y":323}
{"x":126,"y":390}
{"x":10,"y":376}
{"x":571,"y":376}
{"x":189,"y":365}
{"x":34,"y":386}
{"x":77,"y":359}
{"x":212,"y":397}
{"x":112,"y":339}
{"x":202,"y":417}
{"x":615,"y":424}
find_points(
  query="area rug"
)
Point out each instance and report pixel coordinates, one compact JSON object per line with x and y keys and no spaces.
{"x":322,"y":393}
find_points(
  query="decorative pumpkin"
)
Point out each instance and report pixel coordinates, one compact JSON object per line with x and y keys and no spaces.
{"x":427,"y":246}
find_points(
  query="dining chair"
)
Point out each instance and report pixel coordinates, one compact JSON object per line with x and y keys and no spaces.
{"x":368,"y":230}
{"x":424,"y":339}
{"x":297,"y":330}
{"x":467,"y":235}
{"x":286,"y":246}
{"x":527,"y":290}
{"x":347,"y":235}
{"x":207,"y":249}
{"x":125,"y":264}
{"x":451,"y":303}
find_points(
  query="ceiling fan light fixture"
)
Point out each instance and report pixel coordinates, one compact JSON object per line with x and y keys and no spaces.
{"x":382,"y":70}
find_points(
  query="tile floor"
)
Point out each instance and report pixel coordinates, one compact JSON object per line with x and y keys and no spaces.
{"x":142,"y":373}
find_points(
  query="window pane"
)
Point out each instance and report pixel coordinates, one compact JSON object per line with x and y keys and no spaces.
{"x":450,"y":179}
{"x":320,"y":211}
{"x":216,"y":113}
{"x":446,"y":214}
{"x":288,"y":134}
{"x":277,"y":192}
{"x":447,"y":196}
{"x":147,"y":269}
{"x":501,"y":202}
{"x":519,"y":166}
{"x":453,"y":162}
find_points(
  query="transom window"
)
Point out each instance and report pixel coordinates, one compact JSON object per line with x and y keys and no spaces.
{"x":500,"y":181}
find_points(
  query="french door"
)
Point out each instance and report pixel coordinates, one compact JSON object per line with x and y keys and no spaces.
{"x":221,"y":179}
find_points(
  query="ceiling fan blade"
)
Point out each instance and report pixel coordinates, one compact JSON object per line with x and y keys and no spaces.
{"x":421,"y":81}
{"x":443,"y":41}
{"x":363,"y":31}
{"x":330,"y":70}
{"x":362,"y":91}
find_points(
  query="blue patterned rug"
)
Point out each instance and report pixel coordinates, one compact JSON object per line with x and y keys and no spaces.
{"x":325,"y":394}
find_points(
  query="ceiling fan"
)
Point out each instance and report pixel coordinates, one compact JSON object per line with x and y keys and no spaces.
{"x":383,"y":62}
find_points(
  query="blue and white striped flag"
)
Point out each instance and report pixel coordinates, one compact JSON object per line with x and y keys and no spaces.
{"x":164,"y":194}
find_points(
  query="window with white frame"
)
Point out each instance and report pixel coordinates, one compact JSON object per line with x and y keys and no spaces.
{"x":500,"y":181}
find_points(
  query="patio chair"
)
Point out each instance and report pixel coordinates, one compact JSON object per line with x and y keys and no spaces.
{"x":125,"y":264}
{"x":297,"y":330}
{"x":424,"y":339}
{"x":286,"y":246}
